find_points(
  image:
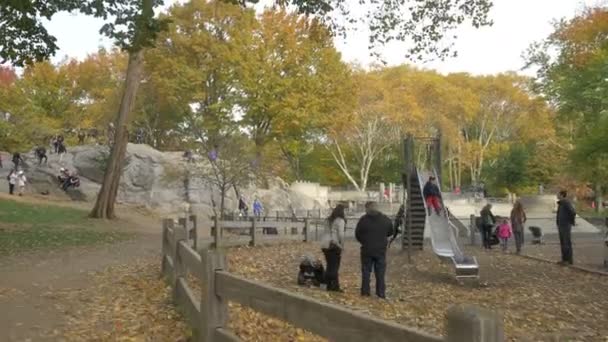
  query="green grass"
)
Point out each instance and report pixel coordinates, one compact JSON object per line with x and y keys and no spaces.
{"x":589,"y":212}
{"x":25,"y":227}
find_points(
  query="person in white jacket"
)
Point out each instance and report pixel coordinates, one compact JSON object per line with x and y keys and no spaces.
{"x":332,"y":243}
{"x":21,"y":180}
{"x":12,"y":181}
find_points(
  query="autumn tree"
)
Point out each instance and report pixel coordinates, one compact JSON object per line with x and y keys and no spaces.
{"x":292,"y":82}
{"x":135,"y":27}
{"x":357,"y":138}
{"x":572,"y":66}
{"x":229,"y":166}
{"x":192,"y":72}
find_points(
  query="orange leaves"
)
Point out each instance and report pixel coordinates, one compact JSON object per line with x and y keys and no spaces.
{"x":584,"y":36}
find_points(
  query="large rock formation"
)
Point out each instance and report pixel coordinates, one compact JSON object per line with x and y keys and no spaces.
{"x":153,"y":179}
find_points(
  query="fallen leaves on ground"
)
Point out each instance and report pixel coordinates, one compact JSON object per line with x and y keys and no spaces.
{"x":539,"y":301}
{"x":128,"y":303}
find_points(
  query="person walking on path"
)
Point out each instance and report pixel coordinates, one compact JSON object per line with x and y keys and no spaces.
{"x":61,"y":150}
{"x":332,"y":243}
{"x":243,"y":209}
{"x":41,"y":155}
{"x":21,"y":181}
{"x":258,"y":208}
{"x":518,"y":220}
{"x":12,"y":181}
{"x":565,"y":220}
{"x":17,"y":160}
{"x":487,"y":224}
{"x":432,"y":196}
{"x":372,"y":232}
{"x":504,"y":234}
{"x":54,"y":142}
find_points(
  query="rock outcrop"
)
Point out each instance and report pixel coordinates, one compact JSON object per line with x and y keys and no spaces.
{"x":153,"y":179}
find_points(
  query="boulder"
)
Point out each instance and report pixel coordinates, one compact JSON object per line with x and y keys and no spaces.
{"x":152,"y":179}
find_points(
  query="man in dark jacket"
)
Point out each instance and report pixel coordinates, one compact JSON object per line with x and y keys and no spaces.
{"x":372,"y":232}
{"x":17,"y":160}
{"x":432,"y":196}
{"x":565,"y":220}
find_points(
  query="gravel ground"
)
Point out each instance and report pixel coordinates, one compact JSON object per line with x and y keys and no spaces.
{"x":589,"y":250}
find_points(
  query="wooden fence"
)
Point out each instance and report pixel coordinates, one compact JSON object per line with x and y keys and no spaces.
{"x":208,"y":317}
{"x":254,"y":231}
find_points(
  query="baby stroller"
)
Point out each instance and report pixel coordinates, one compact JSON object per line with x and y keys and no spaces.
{"x":537,"y":235}
{"x":311,"y":272}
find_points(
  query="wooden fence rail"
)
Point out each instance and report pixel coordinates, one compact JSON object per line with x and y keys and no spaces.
{"x":208,"y":317}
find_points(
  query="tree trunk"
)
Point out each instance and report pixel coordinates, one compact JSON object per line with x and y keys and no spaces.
{"x":459,"y":167}
{"x":222,"y":202}
{"x":104,"y":206}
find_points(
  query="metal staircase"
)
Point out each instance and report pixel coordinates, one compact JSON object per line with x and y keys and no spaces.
{"x":417,"y":211}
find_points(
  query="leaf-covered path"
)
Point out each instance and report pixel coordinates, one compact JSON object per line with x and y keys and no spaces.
{"x":32,"y":284}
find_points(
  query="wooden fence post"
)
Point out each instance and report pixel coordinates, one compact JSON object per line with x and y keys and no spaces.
{"x":474,"y":324}
{"x":180,"y":233}
{"x":214,"y":310}
{"x":167,"y":223}
{"x":253,"y":234}
{"x":217,"y":232}
{"x":306,"y":229}
{"x":194,"y":221}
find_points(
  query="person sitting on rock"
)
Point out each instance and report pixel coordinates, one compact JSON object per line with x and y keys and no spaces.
{"x":41,"y":154}
{"x":72,"y":181}
{"x":64,"y":175}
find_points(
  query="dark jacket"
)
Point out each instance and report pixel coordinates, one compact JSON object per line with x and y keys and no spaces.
{"x":372,"y":232}
{"x":431,"y":189}
{"x":565,"y":213}
{"x":487,"y":218}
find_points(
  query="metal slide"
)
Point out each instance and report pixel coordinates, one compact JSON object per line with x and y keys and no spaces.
{"x":444,"y":238}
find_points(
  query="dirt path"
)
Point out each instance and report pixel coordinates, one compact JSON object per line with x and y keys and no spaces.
{"x":32,"y":284}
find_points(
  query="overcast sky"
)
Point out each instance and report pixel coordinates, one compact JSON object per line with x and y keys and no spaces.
{"x":517,"y":23}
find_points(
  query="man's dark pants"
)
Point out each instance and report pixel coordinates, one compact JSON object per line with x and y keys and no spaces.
{"x":565,"y":241}
{"x":377,"y":264}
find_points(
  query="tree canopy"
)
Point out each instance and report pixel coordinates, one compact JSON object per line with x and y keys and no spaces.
{"x":572,"y":68}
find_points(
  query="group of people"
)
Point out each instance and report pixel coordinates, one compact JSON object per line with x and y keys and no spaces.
{"x":374,"y":229}
{"x":503,"y":229}
{"x":16,"y":178}
{"x":58,"y":144}
{"x":258,"y":208}
{"x":372,"y":232}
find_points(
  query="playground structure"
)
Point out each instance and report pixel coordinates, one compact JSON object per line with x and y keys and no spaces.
{"x":442,"y":231}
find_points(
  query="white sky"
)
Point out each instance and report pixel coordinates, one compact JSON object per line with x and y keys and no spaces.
{"x":517,"y":23}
